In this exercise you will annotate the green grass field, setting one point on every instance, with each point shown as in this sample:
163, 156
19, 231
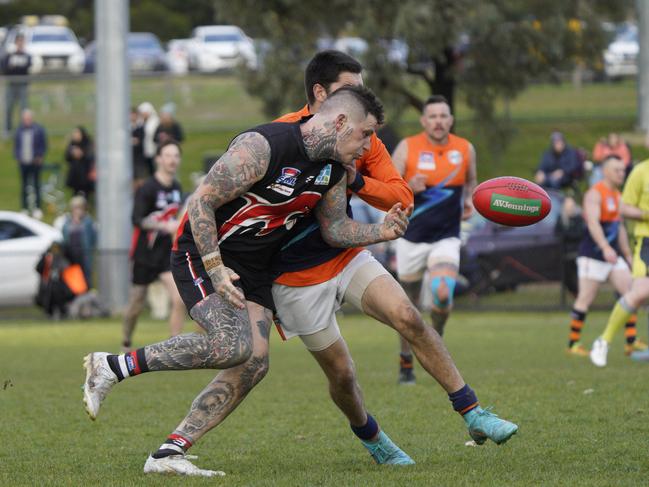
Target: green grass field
578, 425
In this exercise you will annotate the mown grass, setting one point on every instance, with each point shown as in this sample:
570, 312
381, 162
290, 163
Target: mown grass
578, 425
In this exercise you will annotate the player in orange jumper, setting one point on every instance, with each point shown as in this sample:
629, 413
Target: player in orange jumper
604, 253
441, 170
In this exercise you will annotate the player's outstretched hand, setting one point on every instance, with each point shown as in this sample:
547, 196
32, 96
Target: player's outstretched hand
223, 281
396, 221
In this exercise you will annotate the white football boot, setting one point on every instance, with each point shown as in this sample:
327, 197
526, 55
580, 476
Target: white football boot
99, 380
599, 352
178, 465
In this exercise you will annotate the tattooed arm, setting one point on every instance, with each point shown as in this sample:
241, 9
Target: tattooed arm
338, 230
244, 163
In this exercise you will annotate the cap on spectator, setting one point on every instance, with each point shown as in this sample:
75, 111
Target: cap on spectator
556, 137
169, 108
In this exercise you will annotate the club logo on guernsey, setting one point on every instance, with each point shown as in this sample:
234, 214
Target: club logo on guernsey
454, 157
610, 204
324, 176
515, 206
426, 161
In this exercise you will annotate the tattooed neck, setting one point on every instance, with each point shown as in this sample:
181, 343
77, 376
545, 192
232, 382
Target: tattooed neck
320, 142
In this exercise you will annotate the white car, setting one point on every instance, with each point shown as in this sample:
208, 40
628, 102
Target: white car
621, 56
53, 48
220, 47
23, 240
178, 55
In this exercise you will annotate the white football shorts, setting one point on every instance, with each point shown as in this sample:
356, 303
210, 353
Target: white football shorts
310, 311
598, 270
414, 258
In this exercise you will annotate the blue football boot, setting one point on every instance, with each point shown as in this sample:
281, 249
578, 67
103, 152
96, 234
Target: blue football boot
484, 424
385, 452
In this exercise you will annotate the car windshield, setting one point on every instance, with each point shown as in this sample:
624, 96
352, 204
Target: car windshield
59, 36
629, 34
221, 38
149, 43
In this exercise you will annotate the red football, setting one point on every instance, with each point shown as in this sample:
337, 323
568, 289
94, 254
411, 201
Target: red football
511, 201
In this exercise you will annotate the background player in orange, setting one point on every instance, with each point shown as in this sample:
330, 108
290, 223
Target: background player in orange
604, 253
441, 170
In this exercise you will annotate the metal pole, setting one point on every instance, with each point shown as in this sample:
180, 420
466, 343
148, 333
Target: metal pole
114, 166
643, 64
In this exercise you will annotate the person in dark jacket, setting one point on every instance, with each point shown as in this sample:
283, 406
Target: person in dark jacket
79, 155
30, 145
560, 164
16, 65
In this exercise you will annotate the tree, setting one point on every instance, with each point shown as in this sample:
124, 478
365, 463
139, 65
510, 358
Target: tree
492, 50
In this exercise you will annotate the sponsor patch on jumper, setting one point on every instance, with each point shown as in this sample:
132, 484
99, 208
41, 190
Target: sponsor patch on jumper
426, 161
515, 206
288, 177
281, 189
130, 363
324, 176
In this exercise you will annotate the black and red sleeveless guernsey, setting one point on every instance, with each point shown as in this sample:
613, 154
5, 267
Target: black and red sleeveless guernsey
253, 227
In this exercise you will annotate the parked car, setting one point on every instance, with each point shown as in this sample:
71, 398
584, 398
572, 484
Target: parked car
621, 55
396, 50
143, 50
220, 47
22, 242
497, 258
178, 55
54, 48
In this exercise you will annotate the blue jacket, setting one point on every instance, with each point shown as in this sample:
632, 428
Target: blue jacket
40, 141
568, 160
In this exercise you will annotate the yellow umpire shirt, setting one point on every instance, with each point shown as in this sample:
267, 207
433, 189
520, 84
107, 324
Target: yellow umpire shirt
636, 193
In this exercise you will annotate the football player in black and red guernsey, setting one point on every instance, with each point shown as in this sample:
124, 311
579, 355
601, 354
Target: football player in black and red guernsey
155, 222
238, 218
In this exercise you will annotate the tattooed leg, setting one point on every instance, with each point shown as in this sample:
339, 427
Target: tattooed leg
227, 341
136, 300
230, 387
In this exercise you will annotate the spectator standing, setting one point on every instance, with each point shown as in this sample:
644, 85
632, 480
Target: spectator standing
560, 164
141, 170
168, 129
80, 157
150, 121
16, 64
79, 235
30, 145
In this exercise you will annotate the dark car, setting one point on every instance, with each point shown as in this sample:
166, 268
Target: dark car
497, 258
144, 51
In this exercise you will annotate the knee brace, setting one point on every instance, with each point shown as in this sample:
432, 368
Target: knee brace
434, 287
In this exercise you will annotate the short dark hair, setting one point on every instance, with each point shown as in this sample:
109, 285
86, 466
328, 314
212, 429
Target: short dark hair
369, 102
165, 144
434, 99
324, 69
